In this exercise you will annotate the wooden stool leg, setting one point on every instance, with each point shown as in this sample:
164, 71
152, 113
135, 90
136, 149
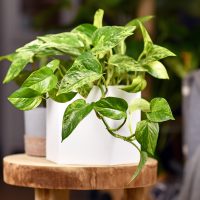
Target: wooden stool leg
117, 194
46, 194
136, 194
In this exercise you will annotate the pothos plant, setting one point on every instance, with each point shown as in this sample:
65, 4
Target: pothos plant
94, 55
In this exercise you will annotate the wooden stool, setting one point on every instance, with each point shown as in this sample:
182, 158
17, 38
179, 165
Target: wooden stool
53, 182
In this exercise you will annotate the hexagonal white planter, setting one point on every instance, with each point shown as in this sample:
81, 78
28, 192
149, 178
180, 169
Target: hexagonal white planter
90, 143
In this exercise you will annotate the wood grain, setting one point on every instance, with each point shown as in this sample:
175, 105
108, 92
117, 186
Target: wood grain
36, 172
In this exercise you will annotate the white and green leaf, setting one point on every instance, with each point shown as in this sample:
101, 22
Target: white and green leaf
146, 36
40, 49
25, 99
112, 107
138, 84
159, 110
85, 70
156, 52
107, 37
124, 63
98, 18
19, 62
85, 31
53, 65
66, 42
157, 70
147, 135
143, 159
32, 46
62, 98
139, 104
73, 115
41, 80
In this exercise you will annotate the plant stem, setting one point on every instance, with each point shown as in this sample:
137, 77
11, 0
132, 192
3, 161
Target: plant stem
102, 91
116, 129
63, 69
129, 124
111, 131
141, 55
60, 71
135, 145
104, 81
109, 74
127, 139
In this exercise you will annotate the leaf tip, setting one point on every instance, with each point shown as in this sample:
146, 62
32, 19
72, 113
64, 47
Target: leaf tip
6, 80
172, 118
58, 93
63, 137
173, 54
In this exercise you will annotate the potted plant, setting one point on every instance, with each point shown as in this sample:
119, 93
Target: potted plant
93, 91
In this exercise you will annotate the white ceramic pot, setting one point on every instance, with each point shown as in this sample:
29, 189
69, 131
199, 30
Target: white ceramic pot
90, 143
35, 131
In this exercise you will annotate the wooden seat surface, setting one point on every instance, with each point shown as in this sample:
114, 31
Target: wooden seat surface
37, 172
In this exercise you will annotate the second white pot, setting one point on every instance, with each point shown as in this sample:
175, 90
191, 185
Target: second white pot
90, 143
35, 132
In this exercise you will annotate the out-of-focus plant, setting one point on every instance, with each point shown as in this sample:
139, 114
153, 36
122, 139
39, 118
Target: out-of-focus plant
178, 28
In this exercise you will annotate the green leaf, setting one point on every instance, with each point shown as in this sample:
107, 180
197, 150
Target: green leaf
157, 70
143, 19
147, 135
85, 31
155, 53
62, 98
49, 49
67, 42
124, 63
85, 70
146, 37
40, 49
25, 99
32, 46
137, 85
98, 18
73, 115
143, 159
41, 80
151, 51
20, 61
160, 110
112, 107
53, 65
139, 104
107, 37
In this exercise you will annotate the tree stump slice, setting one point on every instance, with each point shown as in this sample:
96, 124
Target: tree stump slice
37, 172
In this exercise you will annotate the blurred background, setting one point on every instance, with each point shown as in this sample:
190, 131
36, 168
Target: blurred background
176, 26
